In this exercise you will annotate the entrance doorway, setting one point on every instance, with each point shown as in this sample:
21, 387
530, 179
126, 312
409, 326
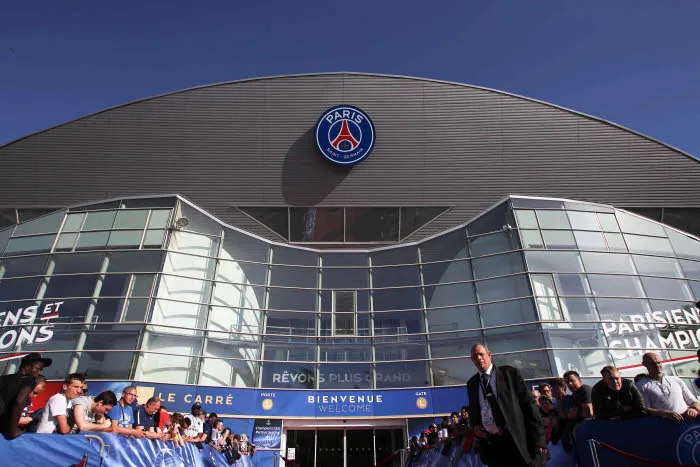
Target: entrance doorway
349, 447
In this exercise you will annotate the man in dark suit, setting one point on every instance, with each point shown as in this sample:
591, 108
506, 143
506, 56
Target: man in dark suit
504, 415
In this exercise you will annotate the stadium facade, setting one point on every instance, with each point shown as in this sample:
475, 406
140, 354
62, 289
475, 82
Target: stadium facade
198, 244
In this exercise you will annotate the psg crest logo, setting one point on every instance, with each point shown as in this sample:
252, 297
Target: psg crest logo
344, 135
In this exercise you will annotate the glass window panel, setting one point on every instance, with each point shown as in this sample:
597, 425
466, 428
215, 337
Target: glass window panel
194, 244
355, 278
294, 256
666, 288
66, 242
106, 365
655, 266
4, 237
559, 239
685, 219
398, 323
402, 374
494, 243
102, 220
142, 285
275, 219
17, 289
615, 286
159, 219
37, 244
454, 344
452, 245
223, 370
615, 242
695, 287
131, 219
247, 296
450, 271
199, 221
532, 365
344, 324
115, 285
344, 259
149, 202
453, 371
70, 286
124, 239
543, 285
184, 288
73, 222
372, 224
532, 239
449, 294
292, 299
289, 375
362, 300
395, 276
579, 309
513, 339
240, 321
553, 261
510, 312
136, 309
414, 218
113, 337
316, 224
363, 327
691, 269
608, 222
553, 219
607, 262
497, 265
526, 219
241, 273
173, 359
652, 245
45, 224
391, 256
240, 246
153, 238
294, 277
502, 288
612, 308
135, 261
92, 240
26, 266
590, 240
187, 317
683, 245
491, 221
583, 220
572, 284
289, 352
449, 319
586, 362
397, 299
408, 349
345, 376
638, 225
108, 310
295, 324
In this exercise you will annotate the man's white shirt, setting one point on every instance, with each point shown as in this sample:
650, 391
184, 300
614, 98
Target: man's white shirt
196, 427
670, 393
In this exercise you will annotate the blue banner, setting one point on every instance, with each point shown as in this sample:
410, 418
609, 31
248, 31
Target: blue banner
267, 434
652, 438
281, 403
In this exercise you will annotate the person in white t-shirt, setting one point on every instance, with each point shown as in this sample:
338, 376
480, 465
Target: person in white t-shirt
196, 429
55, 416
666, 396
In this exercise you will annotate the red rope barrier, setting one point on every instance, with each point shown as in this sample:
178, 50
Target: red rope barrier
388, 459
638, 458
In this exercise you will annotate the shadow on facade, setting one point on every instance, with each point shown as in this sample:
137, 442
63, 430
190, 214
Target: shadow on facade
307, 178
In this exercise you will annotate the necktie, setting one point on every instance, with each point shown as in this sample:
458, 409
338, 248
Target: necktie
491, 398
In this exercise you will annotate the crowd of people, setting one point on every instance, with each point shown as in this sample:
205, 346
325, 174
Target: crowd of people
507, 424
73, 411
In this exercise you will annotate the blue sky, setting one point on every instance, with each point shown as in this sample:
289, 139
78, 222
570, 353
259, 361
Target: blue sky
634, 62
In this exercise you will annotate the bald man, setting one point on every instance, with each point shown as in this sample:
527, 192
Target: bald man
504, 415
666, 396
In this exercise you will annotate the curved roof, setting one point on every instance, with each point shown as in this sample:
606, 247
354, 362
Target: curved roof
248, 143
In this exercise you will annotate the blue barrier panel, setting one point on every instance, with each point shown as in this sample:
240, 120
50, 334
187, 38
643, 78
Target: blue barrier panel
651, 438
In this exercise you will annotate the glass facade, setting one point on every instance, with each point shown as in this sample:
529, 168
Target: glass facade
123, 290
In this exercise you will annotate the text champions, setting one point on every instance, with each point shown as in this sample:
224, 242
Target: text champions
641, 331
27, 326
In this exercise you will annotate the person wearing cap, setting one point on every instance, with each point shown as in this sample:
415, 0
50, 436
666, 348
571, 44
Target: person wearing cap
16, 390
196, 429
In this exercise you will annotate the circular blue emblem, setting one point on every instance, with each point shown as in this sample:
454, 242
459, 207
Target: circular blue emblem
344, 135
688, 446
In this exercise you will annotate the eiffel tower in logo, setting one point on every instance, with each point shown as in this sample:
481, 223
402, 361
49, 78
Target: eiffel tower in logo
345, 136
